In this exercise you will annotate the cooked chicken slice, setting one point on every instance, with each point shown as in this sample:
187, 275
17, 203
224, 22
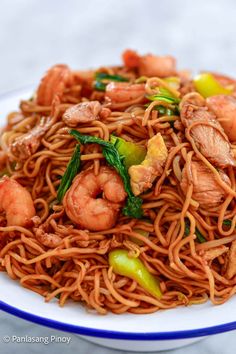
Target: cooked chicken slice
213, 253
206, 190
84, 112
27, 144
208, 135
231, 266
224, 107
142, 176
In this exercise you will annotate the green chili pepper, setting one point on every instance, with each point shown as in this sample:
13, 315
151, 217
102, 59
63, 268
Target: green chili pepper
207, 86
134, 268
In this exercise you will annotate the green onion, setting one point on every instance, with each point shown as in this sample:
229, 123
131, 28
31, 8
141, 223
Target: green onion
99, 85
71, 171
105, 76
200, 237
164, 98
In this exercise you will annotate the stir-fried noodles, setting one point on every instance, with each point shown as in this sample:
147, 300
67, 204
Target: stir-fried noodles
118, 187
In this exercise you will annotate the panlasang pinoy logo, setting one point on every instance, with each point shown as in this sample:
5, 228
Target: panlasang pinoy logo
37, 339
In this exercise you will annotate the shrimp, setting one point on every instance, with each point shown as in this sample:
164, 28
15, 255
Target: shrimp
150, 65
85, 112
224, 107
84, 209
53, 84
121, 92
17, 203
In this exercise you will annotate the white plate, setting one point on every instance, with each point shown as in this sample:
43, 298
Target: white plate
159, 331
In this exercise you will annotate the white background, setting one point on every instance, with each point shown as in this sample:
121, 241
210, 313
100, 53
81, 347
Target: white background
36, 34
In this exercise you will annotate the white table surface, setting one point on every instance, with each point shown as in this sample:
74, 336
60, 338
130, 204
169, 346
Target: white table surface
36, 34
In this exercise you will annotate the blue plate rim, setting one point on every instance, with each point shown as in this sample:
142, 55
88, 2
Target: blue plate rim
93, 332
102, 333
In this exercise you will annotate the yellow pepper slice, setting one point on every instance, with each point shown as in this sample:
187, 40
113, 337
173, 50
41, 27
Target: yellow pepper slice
207, 86
133, 153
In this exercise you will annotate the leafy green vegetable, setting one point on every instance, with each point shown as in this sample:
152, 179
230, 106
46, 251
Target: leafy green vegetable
71, 171
100, 85
227, 222
105, 76
133, 204
200, 237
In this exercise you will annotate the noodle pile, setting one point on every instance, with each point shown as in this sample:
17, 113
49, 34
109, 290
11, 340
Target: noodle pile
78, 269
